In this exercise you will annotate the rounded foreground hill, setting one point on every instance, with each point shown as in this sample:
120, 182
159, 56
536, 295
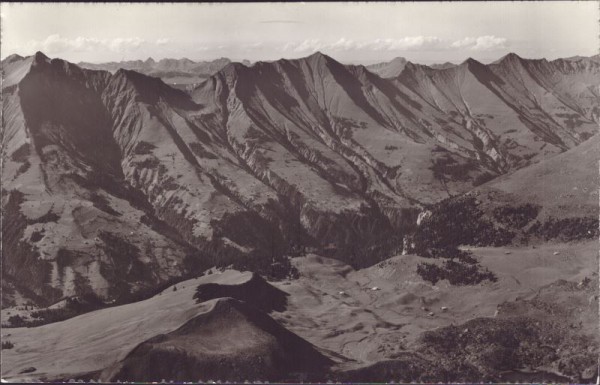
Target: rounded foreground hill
231, 342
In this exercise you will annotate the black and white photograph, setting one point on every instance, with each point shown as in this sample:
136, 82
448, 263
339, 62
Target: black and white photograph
319, 192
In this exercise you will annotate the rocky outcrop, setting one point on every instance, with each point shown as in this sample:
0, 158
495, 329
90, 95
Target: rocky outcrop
254, 291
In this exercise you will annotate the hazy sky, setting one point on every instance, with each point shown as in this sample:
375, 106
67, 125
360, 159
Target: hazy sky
350, 32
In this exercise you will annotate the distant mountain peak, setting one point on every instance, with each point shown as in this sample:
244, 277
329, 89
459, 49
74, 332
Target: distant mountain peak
318, 54
132, 75
318, 57
40, 54
121, 71
472, 65
40, 58
235, 66
12, 58
509, 58
411, 65
415, 66
389, 69
470, 61
360, 71
396, 60
442, 66
231, 71
399, 59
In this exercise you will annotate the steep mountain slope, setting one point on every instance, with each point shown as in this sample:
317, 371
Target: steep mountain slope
381, 132
71, 223
116, 183
518, 110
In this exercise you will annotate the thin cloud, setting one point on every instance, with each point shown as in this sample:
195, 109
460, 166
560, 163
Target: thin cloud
303, 46
409, 43
481, 43
344, 44
280, 22
163, 41
58, 44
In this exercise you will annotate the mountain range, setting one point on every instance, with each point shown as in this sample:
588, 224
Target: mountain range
180, 73
116, 183
152, 67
